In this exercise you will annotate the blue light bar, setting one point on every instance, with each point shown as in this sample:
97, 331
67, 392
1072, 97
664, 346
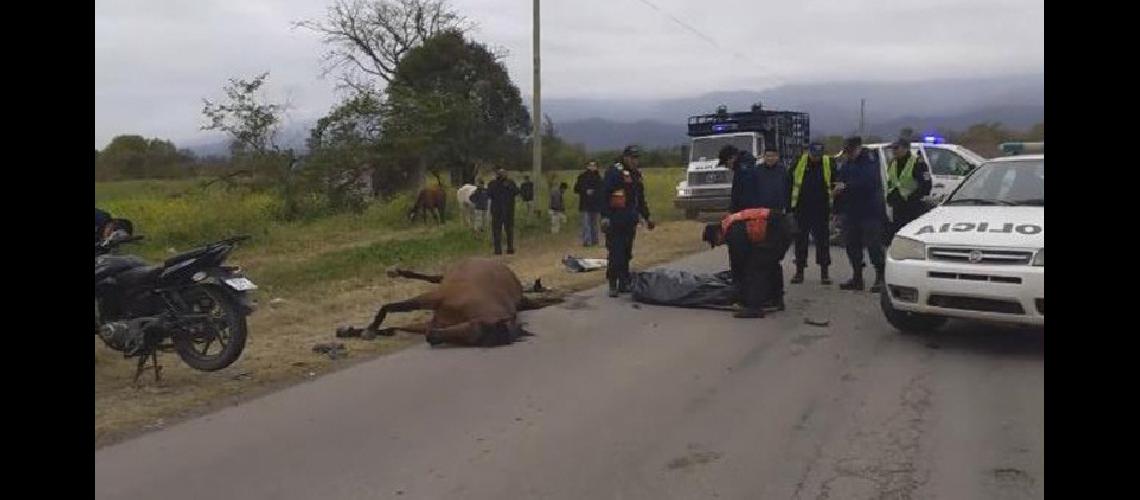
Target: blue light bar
723, 127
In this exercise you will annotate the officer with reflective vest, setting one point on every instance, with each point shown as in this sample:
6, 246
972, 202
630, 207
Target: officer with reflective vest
810, 183
908, 182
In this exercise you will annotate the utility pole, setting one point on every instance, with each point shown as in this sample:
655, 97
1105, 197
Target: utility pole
537, 108
862, 107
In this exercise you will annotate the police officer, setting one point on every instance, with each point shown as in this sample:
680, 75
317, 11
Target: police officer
810, 201
860, 187
908, 182
622, 209
501, 192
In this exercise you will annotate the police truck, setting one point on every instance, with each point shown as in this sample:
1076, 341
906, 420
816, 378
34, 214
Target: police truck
707, 186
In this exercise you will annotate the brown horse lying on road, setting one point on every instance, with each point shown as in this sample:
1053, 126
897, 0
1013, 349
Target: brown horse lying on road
476, 304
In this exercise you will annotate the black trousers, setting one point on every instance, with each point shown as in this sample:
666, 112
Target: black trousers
816, 226
864, 234
903, 214
500, 223
619, 247
756, 270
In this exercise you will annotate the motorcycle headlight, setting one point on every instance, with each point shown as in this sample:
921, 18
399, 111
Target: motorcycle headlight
903, 248
1039, 259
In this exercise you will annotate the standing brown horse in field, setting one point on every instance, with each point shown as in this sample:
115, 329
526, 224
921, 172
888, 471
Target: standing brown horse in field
429, 199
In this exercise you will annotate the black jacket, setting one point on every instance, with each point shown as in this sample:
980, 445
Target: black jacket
760, 186
635, 201
590, 179
502, 192
526, 190
479, 198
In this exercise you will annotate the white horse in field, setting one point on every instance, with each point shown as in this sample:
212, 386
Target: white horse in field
466, 207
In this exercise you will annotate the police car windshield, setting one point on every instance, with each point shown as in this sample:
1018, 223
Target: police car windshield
709, 147
1018, 182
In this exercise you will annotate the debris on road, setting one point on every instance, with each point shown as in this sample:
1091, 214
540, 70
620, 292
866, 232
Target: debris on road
242, 376
820, 322
277, 302
581, 265
334, 350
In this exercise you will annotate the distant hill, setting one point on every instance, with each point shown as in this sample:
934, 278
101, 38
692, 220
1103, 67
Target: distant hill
1016, 101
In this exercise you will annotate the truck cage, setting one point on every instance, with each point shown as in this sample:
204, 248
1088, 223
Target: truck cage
789, 131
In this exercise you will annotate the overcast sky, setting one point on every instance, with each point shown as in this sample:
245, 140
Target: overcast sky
156, 59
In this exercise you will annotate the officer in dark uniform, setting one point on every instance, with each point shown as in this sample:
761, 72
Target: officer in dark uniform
860, 188
622, 209
502, 192
908, 182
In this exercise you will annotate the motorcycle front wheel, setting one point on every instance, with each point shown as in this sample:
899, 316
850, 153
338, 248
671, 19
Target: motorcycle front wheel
218, 341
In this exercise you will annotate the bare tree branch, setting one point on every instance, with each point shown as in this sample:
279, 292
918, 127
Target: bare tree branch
367, 38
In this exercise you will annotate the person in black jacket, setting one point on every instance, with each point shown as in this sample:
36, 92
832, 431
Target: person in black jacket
526, 192
860, 189
625, 206
588, 187
908, 182
502, 192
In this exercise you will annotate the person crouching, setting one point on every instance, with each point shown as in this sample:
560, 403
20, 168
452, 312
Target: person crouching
757, 239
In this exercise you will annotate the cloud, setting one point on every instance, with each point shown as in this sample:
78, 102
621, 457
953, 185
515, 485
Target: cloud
155, 60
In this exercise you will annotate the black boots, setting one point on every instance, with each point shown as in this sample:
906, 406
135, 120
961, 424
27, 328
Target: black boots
855, 283
799, 276
878, 286
613, 287
823, 277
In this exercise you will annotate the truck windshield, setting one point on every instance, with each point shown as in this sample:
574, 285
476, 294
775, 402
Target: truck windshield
707, 148
1005, 183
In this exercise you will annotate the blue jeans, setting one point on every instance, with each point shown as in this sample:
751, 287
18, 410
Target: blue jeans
590, 228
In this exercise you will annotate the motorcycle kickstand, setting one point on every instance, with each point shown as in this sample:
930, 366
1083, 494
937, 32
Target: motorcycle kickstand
142, 366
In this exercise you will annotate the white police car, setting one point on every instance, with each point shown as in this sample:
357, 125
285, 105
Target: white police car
979, 255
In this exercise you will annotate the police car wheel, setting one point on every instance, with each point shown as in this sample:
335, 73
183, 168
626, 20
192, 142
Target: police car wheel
908, 322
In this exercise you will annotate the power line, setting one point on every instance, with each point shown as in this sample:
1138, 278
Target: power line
707, 38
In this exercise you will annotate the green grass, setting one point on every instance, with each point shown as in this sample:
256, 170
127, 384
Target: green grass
302, 256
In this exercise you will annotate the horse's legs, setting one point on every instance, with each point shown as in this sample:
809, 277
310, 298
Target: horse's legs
394, 272
423, 301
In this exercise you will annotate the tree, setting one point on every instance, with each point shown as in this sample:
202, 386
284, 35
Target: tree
366, 39
136, 157
252, 124
451, 104
343, 147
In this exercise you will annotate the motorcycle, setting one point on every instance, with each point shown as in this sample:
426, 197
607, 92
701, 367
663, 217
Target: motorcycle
190, 303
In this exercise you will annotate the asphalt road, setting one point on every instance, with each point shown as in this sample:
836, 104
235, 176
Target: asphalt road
613, 401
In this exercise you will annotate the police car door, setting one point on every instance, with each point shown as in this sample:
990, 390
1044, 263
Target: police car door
947, 169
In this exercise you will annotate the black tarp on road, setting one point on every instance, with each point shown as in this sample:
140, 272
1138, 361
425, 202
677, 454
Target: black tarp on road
670, 287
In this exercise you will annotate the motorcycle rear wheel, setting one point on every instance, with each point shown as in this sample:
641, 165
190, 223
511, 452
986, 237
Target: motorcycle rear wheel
225, 330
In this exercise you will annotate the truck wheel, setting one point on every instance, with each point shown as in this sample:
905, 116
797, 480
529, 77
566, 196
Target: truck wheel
691, 214
908, 322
